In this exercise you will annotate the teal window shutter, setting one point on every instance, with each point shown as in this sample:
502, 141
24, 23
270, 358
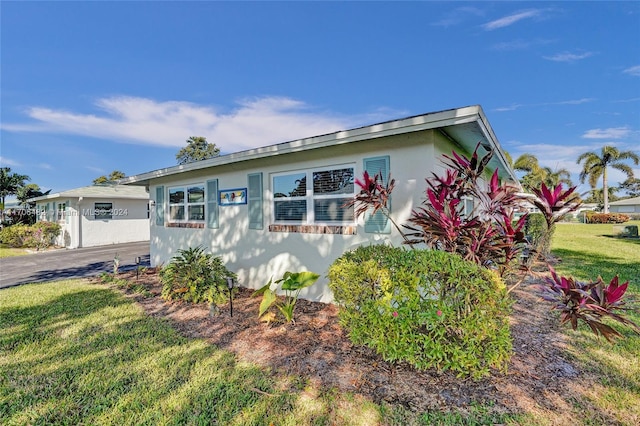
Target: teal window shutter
378, 223
160, 206
256, 217
212, 204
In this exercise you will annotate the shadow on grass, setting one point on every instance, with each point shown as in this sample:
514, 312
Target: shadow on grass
587, 266
623, 240
90, 356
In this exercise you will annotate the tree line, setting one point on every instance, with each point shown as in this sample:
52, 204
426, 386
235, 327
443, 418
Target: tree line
595, 168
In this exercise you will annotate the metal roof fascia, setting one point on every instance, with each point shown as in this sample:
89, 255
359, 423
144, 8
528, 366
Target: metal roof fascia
390, 128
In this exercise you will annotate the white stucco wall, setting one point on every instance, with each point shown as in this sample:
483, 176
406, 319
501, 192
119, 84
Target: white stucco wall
129, 223
257, 255
80, 228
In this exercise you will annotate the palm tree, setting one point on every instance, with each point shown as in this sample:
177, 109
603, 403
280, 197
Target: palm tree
30, 190
595, 166
10, 183
553, 178
529, 163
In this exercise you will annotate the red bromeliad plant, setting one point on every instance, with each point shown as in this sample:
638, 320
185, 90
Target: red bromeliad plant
588, 302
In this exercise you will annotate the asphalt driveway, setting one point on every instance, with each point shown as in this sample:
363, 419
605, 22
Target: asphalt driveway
72, 263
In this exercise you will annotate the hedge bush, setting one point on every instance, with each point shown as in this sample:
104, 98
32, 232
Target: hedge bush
593, 217
39, 235
426, 307
195, 276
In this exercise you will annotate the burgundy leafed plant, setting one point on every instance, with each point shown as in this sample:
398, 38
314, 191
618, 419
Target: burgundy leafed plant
485, 235
589, 302
374, 196
555, 203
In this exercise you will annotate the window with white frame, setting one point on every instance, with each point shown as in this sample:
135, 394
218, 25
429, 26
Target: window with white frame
314, 196
186, 203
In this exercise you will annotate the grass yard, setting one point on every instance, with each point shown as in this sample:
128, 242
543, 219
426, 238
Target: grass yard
72, 352
81, 353
586, 252
6, 251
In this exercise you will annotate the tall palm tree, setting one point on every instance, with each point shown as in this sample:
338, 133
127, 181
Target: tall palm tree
10, 182
595, 166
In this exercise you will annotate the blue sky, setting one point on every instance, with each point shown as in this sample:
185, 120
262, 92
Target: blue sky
89, 87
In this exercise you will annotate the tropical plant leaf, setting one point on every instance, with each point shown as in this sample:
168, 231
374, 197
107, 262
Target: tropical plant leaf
299, 280
261, 290
268, 298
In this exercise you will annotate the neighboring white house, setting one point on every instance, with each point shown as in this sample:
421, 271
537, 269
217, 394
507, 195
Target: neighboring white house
278, 208
97, 215
630, 205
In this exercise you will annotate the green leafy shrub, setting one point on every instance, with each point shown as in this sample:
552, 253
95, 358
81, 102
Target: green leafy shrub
291, 283
39, 235
195, 276
536, 230
426, 307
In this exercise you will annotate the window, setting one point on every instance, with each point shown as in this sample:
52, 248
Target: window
61, 211
187, 203
314, 196
103, 210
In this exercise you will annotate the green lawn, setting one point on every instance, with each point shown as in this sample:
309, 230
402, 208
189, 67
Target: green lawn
586, 252
6, 251
72, 352
79, 353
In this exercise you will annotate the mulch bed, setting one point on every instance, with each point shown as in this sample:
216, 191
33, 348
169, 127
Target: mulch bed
540, 379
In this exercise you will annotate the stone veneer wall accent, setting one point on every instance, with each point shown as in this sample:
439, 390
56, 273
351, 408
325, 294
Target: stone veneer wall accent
185, 225
314, 229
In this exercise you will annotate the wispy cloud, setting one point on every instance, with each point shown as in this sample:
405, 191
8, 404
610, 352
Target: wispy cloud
520, 44
457, 16
514, 107
568, 56
45, 166
8, 162
574, 101
511, 19
634, 71
610, 133
252, 123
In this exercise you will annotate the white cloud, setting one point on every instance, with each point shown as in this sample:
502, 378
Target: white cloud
575, 101
511, 19
514, 107
634, 71
8, 162
568, 56
610, 133
519, 44
253, 123
45, 166
458, 16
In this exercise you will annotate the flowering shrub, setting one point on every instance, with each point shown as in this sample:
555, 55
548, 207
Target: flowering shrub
39, 235
592, 217
426, 307
589, 302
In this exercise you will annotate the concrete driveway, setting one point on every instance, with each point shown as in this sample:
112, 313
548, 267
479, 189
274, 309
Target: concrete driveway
73, 263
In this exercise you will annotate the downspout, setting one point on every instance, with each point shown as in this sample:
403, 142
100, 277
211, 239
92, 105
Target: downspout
79, 216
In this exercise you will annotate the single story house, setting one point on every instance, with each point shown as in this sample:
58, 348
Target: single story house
278, 208
630, 205
97, 215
